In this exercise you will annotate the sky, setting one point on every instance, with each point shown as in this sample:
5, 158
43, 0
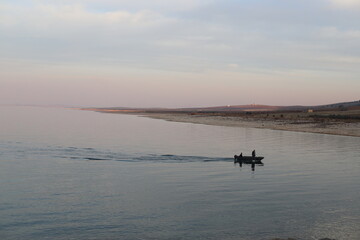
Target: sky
179, 53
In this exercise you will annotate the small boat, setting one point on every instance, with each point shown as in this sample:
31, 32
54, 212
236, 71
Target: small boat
247, 159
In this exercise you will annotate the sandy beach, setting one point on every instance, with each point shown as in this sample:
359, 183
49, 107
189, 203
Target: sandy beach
298, 125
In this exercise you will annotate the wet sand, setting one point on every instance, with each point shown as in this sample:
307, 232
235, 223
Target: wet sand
298, 125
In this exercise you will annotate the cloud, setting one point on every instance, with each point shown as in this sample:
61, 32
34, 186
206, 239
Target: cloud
145, 36
70, 33
346, 3
136, 5
334, 32
73, 15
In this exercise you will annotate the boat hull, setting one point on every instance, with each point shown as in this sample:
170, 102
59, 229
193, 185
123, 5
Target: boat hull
247, 159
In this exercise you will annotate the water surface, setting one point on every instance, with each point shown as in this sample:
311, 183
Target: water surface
70, 174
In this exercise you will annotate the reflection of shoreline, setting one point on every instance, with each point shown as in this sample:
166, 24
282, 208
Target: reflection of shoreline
330, 127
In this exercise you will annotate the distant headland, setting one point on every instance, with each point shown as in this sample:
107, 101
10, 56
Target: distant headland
337, 118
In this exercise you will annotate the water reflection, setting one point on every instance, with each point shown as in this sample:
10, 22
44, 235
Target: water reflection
252, 165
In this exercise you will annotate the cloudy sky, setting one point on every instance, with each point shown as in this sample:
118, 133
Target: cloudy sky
179, 53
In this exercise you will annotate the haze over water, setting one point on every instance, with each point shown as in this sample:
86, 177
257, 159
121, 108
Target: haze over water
70, 174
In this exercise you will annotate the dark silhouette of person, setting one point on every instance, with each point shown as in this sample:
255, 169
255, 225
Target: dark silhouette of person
253, 153
240, 155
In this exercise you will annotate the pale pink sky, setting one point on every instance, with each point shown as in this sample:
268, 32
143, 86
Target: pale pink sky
179, 53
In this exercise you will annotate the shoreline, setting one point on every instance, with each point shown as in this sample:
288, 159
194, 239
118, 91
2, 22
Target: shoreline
326, 127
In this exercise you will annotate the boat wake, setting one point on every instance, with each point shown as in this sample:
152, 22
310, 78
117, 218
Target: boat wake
91, 154
180, 158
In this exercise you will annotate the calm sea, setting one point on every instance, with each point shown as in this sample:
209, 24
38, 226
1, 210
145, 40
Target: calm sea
71, 174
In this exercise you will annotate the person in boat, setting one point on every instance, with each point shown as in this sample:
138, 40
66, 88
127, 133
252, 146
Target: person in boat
253, 153
240, 156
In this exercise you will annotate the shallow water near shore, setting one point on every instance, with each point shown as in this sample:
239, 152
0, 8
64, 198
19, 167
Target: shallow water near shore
70, 174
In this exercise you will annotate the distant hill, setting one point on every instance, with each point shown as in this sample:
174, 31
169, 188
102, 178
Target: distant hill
355, 105
340, 106
265, 108
234, 108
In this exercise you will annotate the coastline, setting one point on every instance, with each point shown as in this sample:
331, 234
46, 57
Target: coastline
325, 127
